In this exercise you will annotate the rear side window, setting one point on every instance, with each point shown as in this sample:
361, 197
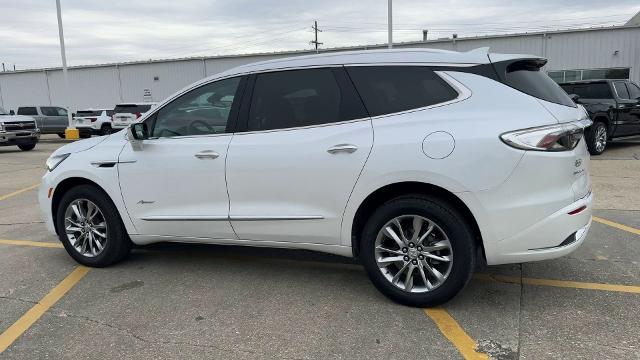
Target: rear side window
295, 98
391, 89
599, 90
621, 89
525, 76
131, 109
27, 111
83, 113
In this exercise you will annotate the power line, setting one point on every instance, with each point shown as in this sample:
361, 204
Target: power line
315, 31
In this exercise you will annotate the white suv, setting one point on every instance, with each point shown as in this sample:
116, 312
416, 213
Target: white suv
410, 160
93, 122
126, 114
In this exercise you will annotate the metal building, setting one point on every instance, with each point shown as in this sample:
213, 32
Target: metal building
609, 52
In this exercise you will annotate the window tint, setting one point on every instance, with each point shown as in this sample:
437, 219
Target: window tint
590, 90
27, 111
525, 76
82, 113
621, 89
202, 111
53, 111
295, 98
131, 109
634, 91
390, 89
109, 112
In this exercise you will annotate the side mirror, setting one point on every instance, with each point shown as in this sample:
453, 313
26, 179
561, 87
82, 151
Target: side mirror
574, 97
11, 112
138, 131
73, 115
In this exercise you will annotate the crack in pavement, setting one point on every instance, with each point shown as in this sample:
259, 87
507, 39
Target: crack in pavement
30, 302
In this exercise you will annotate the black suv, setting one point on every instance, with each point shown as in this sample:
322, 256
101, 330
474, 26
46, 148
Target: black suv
613, 105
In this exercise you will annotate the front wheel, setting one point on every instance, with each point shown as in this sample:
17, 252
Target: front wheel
90, 228
596, 138
418, 250
27, 147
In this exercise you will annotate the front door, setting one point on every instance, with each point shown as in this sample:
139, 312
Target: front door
290, 175
626, 122
174, 184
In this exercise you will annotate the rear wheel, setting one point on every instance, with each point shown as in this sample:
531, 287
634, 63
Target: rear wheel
90, 228
596, 138
105, 129
61, 135
418, 250
27, 147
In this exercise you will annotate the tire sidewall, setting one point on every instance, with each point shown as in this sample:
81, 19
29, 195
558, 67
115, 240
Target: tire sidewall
591, 138
449, 221
106, 130
117, 242
27, 147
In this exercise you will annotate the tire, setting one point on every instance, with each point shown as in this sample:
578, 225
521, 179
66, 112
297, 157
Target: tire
61, 135
596, 138
105, 129
115, 247
85, 135
448, 223
27, 147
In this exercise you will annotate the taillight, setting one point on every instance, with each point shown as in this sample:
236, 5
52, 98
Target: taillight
138, 115
560, 137
93, 119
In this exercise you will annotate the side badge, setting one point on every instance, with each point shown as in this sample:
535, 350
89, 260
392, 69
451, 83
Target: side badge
142, 202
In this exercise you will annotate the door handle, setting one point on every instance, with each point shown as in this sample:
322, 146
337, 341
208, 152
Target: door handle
345, 148
207, 154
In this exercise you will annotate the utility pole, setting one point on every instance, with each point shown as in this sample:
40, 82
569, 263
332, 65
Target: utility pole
71, 132
316, 30
390, 24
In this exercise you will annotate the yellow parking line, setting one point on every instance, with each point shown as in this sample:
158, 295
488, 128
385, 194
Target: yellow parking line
3, 197
30, 317
616, 225
559, 283
455, 333
32, 243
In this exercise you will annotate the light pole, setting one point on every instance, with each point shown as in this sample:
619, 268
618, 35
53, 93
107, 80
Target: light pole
390, 24
71, 132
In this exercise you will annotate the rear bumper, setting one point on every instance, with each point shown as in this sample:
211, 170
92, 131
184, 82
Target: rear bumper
19, 137
554, 236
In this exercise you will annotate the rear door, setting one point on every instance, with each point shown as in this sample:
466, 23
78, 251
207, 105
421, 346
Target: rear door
634, 94
294, 162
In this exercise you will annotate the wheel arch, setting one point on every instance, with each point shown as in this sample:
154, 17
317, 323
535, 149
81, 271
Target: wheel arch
391, 191
63, 187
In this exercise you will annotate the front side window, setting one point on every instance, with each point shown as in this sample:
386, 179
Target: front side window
49, 111
621, 89
390, 89
295, 98
27, 111
634, 91
61, 111
202, 111
599, 90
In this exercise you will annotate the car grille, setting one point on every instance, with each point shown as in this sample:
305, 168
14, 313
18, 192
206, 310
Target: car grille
19, 126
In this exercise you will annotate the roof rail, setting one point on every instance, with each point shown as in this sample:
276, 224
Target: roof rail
480, 50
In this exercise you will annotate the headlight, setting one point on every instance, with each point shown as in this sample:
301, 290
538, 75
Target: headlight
54, 161
561, 137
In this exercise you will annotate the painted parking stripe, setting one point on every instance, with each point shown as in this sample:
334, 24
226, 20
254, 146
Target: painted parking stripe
30, 317
32, 243
450, 328
559, 283
617, 225
17, 192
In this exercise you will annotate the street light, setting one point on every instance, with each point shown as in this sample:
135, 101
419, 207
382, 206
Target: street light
390, 24
71, 132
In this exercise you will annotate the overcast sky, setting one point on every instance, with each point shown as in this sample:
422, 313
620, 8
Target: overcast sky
114, 30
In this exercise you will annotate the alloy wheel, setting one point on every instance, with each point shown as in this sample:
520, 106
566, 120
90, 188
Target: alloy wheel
601, 139
86, 227
413, 253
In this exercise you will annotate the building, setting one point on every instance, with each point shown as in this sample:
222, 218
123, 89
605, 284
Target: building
606, 52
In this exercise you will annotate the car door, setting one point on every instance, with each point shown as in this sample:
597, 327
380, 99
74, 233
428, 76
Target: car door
625, 121
634, 94
61, 120
303, 141
173, 184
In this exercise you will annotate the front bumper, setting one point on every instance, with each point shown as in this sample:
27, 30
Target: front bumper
45, 203
19, 137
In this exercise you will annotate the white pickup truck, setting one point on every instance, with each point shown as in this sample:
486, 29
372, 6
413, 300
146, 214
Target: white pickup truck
18, 130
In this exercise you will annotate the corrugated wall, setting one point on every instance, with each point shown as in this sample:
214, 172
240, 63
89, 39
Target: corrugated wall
104, 86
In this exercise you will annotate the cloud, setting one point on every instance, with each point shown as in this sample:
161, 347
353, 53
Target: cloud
112, 31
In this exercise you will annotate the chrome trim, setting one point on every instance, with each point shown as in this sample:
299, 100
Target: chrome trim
275, 217
185, 218
346, 148
227, 218
207, 154
99, 163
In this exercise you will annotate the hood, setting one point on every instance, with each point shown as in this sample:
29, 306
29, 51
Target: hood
10, 118
80, 145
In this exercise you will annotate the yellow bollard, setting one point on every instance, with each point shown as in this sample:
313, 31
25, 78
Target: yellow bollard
72, 134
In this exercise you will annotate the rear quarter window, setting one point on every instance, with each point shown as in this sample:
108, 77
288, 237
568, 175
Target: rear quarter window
525, 76
391, 89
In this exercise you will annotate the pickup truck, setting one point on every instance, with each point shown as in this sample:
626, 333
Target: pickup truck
614, 107
18, 130
49, 119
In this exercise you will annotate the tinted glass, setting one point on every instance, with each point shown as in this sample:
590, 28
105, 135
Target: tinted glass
61, 111
202, 111
621, 89
109, 112
591, 90
295, 98
131, 109
49, 111
525, 76
634, 90
27, 111
82, 113
390, 89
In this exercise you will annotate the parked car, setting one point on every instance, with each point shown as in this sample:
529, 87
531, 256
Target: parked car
93, 122
18, 130
49, 119
410, 160
126, 114
614, 107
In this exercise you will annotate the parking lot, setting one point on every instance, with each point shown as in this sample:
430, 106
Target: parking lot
191, 301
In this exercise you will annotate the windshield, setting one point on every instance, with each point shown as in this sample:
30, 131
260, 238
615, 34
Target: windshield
3, 111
